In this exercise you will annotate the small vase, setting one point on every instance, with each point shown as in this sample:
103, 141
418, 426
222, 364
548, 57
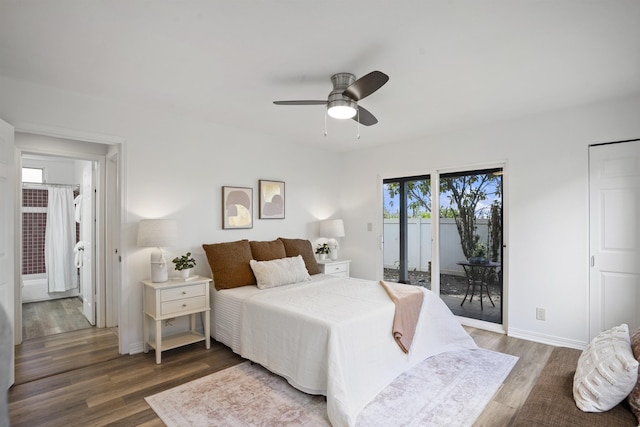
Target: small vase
322, 257
184, 273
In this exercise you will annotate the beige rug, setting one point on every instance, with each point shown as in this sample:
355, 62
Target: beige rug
449, 389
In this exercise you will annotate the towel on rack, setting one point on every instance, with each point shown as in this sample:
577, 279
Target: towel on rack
78, 208
78, 250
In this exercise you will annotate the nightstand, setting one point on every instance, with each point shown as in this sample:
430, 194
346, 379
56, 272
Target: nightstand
336, 267
173, 298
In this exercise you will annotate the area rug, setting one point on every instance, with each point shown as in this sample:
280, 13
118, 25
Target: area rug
449, 389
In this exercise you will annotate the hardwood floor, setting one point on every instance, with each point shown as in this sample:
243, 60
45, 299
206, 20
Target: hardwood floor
78, 378
52, 317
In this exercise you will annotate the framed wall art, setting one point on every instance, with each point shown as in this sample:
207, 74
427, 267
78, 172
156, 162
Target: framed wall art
271, 199
237, 207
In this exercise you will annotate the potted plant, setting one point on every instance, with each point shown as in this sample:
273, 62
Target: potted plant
322, 250
184, 264
479, 255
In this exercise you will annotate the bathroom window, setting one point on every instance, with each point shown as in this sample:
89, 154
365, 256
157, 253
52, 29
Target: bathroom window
32, 175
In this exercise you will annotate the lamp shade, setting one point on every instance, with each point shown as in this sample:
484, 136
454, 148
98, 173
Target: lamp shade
157, 232
332, 228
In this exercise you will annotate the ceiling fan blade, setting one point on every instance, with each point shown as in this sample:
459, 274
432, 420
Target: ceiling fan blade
366, 118
366, 85
300, 102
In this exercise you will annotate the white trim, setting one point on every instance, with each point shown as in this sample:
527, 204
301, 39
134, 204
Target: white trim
59, 132
546, 339
481, 324
136, 348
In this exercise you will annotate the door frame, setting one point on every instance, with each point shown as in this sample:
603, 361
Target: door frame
434, 174
103, 262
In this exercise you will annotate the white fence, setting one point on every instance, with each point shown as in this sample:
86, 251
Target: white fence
419, 234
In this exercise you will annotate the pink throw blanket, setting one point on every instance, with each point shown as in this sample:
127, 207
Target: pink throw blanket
408, 300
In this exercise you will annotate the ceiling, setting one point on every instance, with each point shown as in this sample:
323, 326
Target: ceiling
452, 64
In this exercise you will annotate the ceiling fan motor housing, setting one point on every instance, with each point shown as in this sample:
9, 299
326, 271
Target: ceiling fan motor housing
339, 105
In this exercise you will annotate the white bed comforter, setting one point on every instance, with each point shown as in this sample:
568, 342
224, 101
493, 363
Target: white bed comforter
332, 336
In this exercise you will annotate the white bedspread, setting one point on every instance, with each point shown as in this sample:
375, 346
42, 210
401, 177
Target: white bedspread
332, 336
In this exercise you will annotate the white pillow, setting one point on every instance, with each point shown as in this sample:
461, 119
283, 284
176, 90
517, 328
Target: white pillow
278, 272
606, 371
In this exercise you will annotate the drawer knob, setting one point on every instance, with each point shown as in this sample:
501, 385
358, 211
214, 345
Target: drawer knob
184, 305
184, 292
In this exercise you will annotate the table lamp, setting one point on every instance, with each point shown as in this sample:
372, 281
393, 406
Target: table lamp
157, 233
332, 228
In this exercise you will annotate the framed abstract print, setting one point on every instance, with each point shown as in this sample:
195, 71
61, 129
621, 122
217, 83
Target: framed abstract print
237, 207
271, 199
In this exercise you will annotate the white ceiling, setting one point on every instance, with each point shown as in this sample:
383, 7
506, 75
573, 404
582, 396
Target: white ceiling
452, 64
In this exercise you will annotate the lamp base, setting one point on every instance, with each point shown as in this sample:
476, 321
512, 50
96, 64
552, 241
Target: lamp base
159, 272
333, 244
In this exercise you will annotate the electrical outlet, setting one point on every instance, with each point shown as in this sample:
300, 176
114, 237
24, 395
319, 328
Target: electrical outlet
369, 226
540, 313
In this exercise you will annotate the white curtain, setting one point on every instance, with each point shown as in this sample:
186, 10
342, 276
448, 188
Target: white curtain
60, 239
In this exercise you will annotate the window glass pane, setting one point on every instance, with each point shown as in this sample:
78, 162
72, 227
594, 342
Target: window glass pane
471, 243
32, 175
407, 230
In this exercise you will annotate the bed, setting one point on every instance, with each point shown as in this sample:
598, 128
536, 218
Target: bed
326, 335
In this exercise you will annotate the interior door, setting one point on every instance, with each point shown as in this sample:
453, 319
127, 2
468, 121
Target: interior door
87, 235
7, 212
614, 174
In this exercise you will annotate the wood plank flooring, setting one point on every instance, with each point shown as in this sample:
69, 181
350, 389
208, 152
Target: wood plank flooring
52, 317
78, 379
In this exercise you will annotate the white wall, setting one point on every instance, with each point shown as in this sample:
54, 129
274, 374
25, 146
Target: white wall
546, 227
175, 167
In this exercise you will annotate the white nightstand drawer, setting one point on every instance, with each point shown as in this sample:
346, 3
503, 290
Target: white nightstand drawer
336, 268
182, 292
183, 305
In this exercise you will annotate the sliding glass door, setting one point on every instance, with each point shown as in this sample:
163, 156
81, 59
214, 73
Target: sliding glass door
407, 230
471, 243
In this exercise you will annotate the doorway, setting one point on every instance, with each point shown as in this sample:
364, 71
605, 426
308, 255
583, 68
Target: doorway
444, 232
85, 166
57, 272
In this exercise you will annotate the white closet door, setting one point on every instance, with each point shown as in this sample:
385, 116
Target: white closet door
614, 171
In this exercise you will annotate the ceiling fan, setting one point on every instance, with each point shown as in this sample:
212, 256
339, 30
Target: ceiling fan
342, 102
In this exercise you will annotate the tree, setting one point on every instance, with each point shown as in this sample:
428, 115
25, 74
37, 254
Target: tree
418, 194
464, 193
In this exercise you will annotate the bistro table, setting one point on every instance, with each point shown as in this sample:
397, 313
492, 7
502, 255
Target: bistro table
477, 275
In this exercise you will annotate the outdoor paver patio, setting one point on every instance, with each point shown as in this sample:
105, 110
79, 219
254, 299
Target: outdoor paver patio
453, 289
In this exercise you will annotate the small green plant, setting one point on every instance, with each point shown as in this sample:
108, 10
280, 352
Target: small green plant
184, 262
480, 251
323, 249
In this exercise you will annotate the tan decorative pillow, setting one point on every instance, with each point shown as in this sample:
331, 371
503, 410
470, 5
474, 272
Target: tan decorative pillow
229, 264
266, 251
278, 272
606, 371
634, 397
295, 247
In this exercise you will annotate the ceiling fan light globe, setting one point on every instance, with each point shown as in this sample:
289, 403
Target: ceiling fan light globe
341, 111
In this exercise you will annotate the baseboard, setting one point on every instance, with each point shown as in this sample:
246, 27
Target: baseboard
546, 339
136, 348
